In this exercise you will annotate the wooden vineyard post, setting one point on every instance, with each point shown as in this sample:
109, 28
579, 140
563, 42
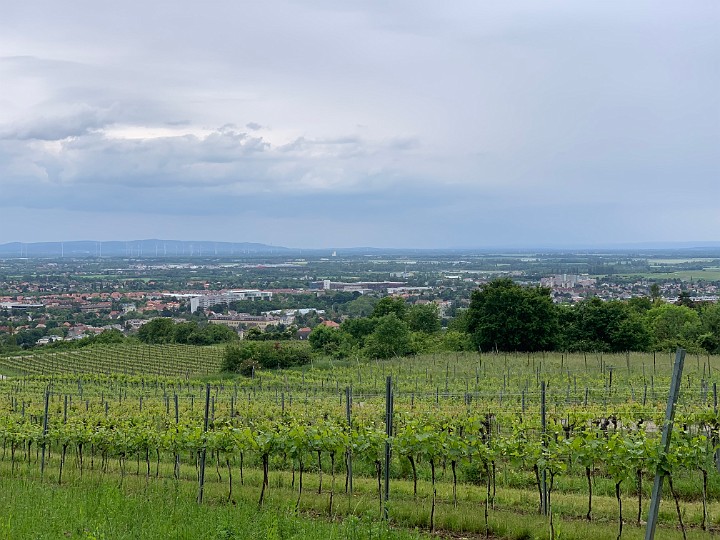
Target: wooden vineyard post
45, 431
388, 434
665, 442
176, 469
203, 452
715, 410
545, 499
348, 410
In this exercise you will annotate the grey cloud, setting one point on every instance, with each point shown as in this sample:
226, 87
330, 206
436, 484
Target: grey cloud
226, 162
488, 120
55, 128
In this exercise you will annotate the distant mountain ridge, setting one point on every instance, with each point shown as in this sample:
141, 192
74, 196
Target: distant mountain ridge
138, 248
184, 249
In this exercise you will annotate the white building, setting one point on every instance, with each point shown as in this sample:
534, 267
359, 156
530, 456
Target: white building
208, 300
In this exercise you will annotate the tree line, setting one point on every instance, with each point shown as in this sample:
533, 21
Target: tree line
506, 316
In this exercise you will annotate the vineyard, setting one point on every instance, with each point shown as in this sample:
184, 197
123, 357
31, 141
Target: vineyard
515, 446
167, 360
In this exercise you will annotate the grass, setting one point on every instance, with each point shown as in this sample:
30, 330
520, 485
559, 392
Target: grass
96, 505
93, 508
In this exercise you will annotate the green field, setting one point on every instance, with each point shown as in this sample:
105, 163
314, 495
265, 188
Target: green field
706, 274
681, 261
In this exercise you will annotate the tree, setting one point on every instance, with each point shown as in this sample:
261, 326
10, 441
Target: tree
674, 326
183, 331
389, 305
326, 340
109, 336
655, 292
505, 316
391, 337
710, 319
157, 331
612, 326
640, 304
362, 306
359, 329
423, 318
268, 354
460, 322
685, 299
219, 333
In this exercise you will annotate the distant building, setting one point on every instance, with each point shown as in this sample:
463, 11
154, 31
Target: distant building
567, 281
359, 286
208, 300
48, 339
244, 320
303, 333
18, 305
408, 290
330, 324
95, 307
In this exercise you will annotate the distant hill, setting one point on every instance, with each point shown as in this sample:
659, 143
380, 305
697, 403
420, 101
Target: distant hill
138, 248
184, 249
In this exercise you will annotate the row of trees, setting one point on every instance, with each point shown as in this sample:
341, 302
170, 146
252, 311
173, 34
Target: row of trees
392, 329
163, 330
506, 316
246, 357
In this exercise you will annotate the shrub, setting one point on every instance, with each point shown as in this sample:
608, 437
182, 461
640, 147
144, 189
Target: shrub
267, 354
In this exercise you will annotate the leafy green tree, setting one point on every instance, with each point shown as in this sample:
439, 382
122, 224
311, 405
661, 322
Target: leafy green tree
674, 326
685, 299
359, 329
27, 338
461, 321
388, 305
597, 325
391, 337
182, 331
268, 354
109, 336
710, 328
327, 340
452, 340
255, 334
639, 304
219, 333
655, 292
509, 317
423, 318
157, 331
362, 306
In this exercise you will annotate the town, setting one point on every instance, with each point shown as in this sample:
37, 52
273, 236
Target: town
45, 300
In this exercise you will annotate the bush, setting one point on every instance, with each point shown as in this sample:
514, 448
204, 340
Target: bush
248, 367
391, 337
267, 354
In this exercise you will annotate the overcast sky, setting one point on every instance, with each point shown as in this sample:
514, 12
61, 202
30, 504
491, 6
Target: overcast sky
389, 124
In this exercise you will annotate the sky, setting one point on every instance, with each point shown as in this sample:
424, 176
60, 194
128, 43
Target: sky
320, 123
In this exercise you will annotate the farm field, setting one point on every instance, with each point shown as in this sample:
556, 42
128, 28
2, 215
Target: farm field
468, 450
706, 274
